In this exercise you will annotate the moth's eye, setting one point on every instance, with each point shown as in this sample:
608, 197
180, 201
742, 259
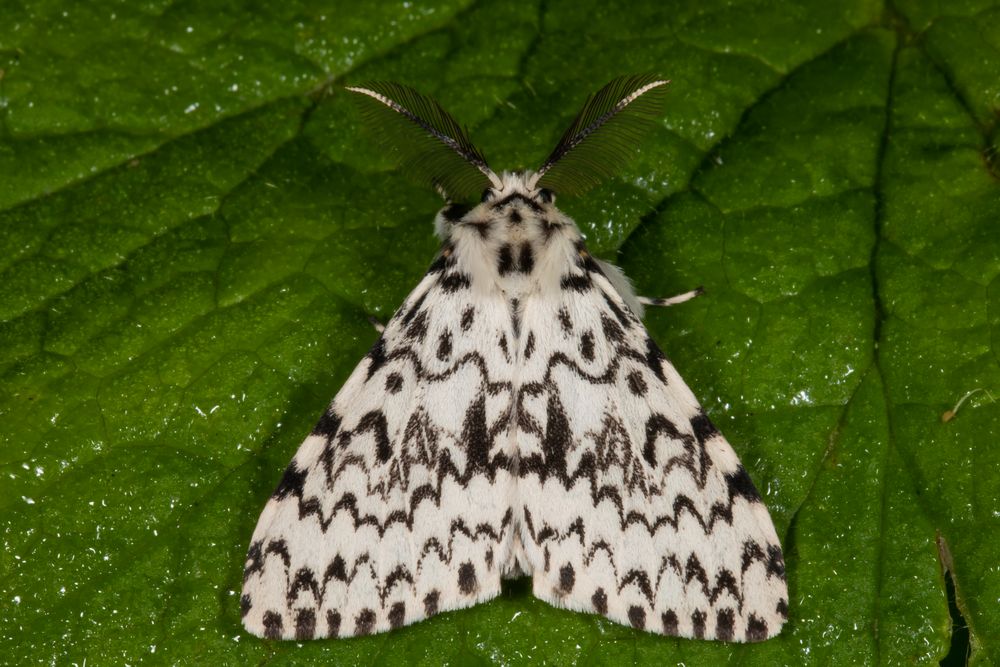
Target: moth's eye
546, 196
487, 195
454, 212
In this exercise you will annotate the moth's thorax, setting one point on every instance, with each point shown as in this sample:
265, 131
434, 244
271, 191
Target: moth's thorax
515, 239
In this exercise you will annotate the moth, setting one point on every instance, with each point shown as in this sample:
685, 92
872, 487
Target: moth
515, 418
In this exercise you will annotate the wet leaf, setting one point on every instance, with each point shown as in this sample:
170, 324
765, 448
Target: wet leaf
193, 231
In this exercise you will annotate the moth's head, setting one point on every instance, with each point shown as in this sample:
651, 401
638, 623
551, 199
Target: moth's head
516, 194
523, 183
436, 150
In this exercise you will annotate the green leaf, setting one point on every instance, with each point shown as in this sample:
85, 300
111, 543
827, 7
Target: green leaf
193, 231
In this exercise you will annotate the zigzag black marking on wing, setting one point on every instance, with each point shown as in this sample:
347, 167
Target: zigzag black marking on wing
401, 464
445, 553
374, 421
348, 501
551, 463
692, 573
422, 375
609, 374
682, 504
601, 545
304, 579
695, 458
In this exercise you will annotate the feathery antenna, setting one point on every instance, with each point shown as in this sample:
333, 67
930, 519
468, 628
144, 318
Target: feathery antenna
433, 148
603, 136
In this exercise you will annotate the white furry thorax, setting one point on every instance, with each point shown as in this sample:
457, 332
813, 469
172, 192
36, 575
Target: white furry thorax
515, 239
518, 241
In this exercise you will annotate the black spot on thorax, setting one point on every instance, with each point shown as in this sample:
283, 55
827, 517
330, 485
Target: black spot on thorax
549, 228
526, 262
484, 228
505, 260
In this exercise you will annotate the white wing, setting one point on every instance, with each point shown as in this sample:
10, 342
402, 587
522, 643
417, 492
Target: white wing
398, 505
635, 506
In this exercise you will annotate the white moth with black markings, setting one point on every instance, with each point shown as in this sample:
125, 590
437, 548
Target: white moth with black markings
515, 418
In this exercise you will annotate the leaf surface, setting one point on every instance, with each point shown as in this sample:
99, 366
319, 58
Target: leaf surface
193, 231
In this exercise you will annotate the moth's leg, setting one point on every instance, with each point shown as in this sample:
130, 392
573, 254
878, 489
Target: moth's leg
671, 300
624, 287
379, 327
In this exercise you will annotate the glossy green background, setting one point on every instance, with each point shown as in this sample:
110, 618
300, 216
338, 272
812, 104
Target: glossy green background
193, 231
